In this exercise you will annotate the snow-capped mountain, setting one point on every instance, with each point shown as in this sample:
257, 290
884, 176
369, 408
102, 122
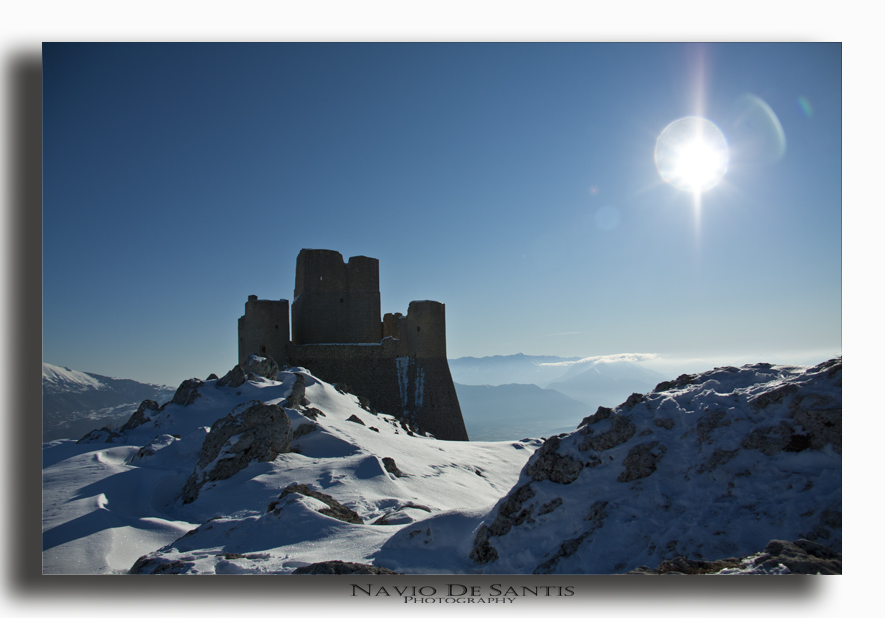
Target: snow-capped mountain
605, 383
593, 381
706, 467
75, 402
280, 471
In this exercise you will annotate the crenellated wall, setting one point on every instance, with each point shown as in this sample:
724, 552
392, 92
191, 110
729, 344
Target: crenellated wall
398, 363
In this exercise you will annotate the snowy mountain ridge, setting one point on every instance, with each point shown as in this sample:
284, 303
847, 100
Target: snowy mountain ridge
75, 401
705, 467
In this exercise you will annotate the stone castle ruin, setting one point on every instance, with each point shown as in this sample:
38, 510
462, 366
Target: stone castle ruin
399, 362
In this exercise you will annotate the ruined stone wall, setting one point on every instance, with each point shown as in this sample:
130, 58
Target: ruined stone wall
419, 390
337, 335
263, 329
336, 302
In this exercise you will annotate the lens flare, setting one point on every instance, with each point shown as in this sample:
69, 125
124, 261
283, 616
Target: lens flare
691, 154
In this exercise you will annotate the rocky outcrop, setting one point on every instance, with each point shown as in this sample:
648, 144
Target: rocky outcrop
261, 366
390, 466
234, 378
297, 398
188, 392
778, 558
105, 434
160, 566
141, 415
254, 431
672, 473
333, 508
337, 567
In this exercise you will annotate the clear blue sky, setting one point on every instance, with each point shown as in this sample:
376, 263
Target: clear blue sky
516, 183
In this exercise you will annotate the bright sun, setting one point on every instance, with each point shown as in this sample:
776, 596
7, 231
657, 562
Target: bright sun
692, 154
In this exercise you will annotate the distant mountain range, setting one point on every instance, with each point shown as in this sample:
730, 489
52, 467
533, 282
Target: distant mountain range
515, 411
75, 402
512, 369
517, 396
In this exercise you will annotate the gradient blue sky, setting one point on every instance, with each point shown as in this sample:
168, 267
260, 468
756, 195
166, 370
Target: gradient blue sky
516, 183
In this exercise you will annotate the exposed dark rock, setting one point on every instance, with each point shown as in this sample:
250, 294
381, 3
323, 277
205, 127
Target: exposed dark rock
312, 413
390, 466
666, 423
633, 400
621, 430
296, 398
303, 429
262, 366
821, 417
337, 567
355, 419
105, 434
138, 417
212, 376
550, 506
709, 422
482, 552
641, 461
234, 378
770, 440
510, 514
391, 517
774, 396
257, 432
800, 557
596, 516
151, 448
548, 464
160, 566
336, 509
601, 414
718, 458
188, 392
680, 382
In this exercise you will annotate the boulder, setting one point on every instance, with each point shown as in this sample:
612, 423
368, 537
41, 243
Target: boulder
234, 378
138, 417
261, 366
296, 398
253, 431
188, 392
334, 508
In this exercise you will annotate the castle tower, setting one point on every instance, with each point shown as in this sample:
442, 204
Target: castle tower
264, 329
335, 302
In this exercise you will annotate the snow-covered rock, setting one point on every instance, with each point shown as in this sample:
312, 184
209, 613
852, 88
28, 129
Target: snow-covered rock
705, 467
254, 431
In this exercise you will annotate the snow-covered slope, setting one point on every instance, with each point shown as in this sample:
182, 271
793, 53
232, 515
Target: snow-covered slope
75, 402
707, 466
111, 499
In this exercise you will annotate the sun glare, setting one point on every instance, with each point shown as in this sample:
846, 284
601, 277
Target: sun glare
691, 154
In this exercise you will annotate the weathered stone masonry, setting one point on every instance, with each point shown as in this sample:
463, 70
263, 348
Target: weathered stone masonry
399, 362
